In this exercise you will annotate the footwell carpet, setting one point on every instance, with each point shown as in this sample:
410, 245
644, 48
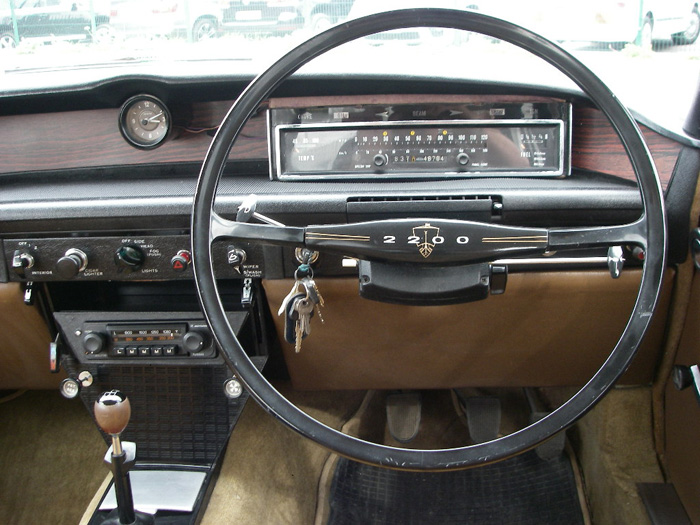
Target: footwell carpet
524, 490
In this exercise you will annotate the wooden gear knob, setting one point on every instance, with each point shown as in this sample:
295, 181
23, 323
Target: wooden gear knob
112, 412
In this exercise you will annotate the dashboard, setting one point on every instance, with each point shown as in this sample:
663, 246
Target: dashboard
124, 208
97, 193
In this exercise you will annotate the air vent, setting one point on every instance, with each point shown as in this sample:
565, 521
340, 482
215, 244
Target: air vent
465, 207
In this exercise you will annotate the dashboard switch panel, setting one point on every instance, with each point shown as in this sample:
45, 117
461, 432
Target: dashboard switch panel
119, 258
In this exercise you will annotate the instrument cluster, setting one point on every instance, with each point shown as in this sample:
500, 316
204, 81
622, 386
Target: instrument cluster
430, 140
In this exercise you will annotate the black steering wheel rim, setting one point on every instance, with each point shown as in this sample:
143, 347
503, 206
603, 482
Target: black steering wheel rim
652, 224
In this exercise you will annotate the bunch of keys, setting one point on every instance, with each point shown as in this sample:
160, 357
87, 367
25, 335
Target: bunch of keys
299, 305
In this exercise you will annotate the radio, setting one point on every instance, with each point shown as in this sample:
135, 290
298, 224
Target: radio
190, 339
131, 338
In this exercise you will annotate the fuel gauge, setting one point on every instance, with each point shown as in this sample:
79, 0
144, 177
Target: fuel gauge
144, 121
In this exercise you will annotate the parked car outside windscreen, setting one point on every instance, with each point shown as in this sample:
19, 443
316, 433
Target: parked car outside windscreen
195, 20
641, 22
279, 17
52, 20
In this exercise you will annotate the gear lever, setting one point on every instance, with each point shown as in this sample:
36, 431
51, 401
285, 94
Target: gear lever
112, 413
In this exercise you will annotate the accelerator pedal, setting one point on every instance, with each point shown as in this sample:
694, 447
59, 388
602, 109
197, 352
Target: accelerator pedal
403, 415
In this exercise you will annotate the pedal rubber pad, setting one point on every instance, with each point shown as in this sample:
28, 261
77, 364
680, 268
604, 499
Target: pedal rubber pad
403, 415
483, 418
554, 446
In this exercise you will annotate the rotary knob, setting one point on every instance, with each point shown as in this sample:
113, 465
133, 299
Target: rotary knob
93, 342
72, 263
193, 341
22, 261
129, 258
380, 160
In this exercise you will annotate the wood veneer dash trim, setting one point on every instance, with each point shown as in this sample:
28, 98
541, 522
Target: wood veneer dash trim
91, 138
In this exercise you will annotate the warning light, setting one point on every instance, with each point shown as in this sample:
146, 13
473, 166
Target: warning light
444, 132
413, 132
385, 133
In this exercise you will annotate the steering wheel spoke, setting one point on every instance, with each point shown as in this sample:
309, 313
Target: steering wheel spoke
222, 228
626, 234
427, 241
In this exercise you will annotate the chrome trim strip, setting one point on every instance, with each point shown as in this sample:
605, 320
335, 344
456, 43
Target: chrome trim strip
553, 261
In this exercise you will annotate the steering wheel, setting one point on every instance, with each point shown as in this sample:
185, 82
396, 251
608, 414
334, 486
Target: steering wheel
649, 232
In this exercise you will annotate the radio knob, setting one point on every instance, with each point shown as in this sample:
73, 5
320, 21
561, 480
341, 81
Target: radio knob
193, 341
463, 159
72, 263
129, 258
94, 342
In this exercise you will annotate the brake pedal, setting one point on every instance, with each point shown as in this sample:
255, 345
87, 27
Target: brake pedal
483, 417
403, 415
554, 446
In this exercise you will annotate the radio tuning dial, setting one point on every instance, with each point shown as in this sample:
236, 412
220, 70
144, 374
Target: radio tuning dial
129, 258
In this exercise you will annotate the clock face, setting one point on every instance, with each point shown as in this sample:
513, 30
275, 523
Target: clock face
144, 121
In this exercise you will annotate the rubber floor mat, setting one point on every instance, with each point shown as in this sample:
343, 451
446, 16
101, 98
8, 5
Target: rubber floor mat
523, 490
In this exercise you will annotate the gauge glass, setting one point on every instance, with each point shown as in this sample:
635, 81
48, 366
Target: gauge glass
144, 121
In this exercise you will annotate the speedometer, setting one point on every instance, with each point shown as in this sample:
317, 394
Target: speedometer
144, 121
